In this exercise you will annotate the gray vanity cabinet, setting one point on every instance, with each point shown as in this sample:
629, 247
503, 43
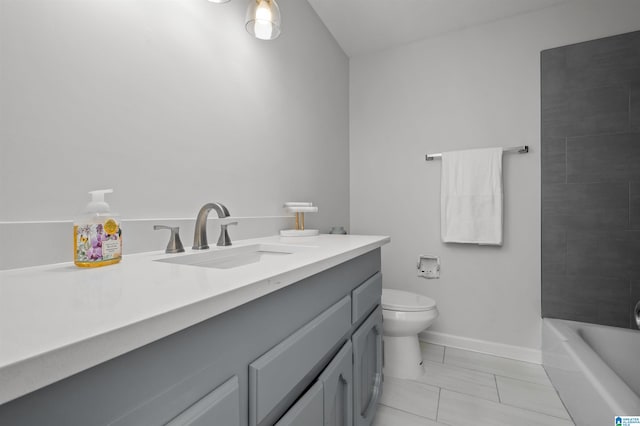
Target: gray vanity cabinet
221, 406
367, 370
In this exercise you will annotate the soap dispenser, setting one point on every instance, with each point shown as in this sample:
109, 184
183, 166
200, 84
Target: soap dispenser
97, 237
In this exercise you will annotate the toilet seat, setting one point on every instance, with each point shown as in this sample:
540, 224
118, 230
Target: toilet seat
404, 301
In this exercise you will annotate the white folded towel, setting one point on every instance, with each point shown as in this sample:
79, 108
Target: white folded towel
471, 196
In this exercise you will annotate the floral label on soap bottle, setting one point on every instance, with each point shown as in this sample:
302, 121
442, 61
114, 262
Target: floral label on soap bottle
98, 242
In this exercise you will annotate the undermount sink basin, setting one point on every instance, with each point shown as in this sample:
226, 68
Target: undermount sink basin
233, 257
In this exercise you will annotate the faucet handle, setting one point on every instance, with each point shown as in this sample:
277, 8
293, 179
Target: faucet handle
223, 239
175, 245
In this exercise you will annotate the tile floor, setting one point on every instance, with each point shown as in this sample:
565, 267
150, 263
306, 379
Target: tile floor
469, 388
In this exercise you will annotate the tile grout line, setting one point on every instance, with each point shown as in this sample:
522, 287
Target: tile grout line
494, 373
566, 169
552, 387
558, 395
495, 379
515, 407
454, 389
549, 385
407, 412
631, 306
629, 111
540, 412
438, 404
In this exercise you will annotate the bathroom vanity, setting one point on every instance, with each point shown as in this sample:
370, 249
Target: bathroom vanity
294, 338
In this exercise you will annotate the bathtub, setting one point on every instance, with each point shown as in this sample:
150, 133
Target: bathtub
595, 368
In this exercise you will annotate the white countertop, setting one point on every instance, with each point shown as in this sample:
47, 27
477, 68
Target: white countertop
58, 320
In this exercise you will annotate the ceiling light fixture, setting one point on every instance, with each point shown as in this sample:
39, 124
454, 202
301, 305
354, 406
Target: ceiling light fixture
219, 1
263, 19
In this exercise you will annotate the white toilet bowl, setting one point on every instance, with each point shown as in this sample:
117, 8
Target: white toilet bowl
405, 315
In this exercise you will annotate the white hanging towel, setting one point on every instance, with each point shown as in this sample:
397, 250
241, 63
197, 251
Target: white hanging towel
471, 196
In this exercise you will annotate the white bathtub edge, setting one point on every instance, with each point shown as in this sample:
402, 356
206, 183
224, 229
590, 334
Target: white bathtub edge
590, 389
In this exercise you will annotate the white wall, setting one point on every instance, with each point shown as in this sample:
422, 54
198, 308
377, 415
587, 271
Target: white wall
479, 87
171, 103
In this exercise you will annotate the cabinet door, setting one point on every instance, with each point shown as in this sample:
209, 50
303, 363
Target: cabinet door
308, 411
367, 368
220, 407
337, 381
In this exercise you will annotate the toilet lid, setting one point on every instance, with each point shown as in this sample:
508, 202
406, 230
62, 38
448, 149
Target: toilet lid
398, 300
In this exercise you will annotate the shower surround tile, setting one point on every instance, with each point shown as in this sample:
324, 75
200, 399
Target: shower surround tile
554, 161
586, 112
603, 158
553, 69
591, 98
588, 299
554, 249
612, 254
586, 206
603, 62
635, 107
634, 205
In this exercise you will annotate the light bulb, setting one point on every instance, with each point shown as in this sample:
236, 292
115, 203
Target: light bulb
263, 30
263, 12
219, 1
263, 19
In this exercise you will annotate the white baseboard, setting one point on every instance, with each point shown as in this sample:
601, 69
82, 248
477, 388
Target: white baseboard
484, 346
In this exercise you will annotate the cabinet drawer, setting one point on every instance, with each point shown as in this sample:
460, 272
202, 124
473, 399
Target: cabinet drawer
220, 407
366, 296
308, 411
275, 374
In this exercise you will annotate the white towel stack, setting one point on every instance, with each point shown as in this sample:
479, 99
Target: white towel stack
471, 196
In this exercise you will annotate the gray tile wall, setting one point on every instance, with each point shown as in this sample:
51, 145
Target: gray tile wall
590, 155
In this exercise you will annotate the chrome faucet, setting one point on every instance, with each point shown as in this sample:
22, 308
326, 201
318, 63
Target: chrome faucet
200, 234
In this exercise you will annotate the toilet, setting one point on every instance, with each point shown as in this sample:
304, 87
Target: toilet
404, 315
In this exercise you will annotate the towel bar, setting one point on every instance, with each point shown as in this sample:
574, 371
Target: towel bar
518, 149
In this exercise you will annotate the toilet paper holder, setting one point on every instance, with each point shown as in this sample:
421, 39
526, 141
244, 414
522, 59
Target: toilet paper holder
428, 266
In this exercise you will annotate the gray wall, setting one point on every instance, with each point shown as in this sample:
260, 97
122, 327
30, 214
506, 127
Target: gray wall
172, 104
591, 180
